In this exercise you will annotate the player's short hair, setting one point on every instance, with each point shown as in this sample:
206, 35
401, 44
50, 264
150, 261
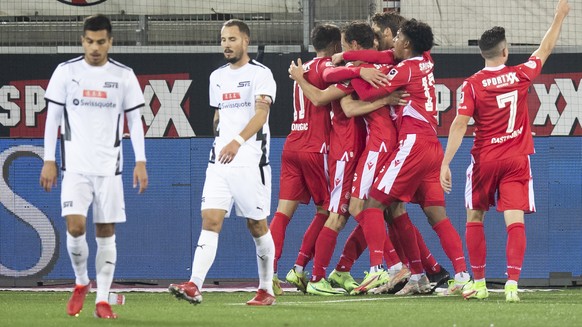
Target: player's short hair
389, 20
419, 34
325, 35
97, 22
361, 32
242, 26
490, 41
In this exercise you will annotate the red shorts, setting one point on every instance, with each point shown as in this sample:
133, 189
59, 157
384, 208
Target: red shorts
510, 178
303, 177
367, 169
412, 173
341, 173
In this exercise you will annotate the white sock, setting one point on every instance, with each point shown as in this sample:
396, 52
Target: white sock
462, 277
298, 269
105, 265
395, 269
415, 277
265, 257
79, 253
204, 256
374, 269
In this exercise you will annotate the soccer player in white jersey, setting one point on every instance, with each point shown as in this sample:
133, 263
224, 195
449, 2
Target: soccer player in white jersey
241, 92
89, 97
496, 97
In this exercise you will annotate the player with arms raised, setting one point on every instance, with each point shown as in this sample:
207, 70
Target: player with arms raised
496, 97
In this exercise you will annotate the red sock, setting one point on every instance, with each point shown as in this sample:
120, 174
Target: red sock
353, 249
308, 244
393, 234
375, 233
390, 255
451, 243
515, 250
278, 228
429, 263
324, 247
407, 237
477, 248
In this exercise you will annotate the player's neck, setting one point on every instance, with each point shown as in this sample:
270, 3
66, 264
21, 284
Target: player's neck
496, 62
245, 59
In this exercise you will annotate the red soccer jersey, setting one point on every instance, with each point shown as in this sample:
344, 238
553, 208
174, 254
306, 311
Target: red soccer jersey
348, 135
496, 97
311, 124
381, 130
415, 76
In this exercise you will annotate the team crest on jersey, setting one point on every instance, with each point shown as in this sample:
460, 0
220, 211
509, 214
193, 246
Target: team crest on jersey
81, 3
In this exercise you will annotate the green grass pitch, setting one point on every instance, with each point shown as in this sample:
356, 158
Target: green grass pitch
551, 308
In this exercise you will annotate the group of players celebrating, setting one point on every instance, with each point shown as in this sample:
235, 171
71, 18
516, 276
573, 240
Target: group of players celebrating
363, 143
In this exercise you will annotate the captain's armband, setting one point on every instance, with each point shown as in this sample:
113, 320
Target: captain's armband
266, 99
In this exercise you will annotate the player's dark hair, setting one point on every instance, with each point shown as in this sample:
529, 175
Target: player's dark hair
389, 20
324, 36
242, 26
489, 41
361, 32
97, 22
419, 34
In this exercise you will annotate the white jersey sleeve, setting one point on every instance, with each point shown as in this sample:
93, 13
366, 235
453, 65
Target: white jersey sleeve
56, 91
265, 84
133, 94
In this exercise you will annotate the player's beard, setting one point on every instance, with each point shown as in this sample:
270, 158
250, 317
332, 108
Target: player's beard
233, 59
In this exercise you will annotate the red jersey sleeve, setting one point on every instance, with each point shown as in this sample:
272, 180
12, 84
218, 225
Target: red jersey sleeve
338, 74
467, 103
397, 77
373, 56
531, 68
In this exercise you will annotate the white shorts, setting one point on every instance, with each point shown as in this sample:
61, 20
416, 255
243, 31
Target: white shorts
248, 188
104, 192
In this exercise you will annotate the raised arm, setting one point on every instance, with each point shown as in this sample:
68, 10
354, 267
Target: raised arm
549, 41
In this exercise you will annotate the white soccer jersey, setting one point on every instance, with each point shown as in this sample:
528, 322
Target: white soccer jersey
233, 92
94, 100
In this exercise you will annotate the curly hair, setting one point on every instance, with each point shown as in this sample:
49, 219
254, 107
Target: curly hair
419, 34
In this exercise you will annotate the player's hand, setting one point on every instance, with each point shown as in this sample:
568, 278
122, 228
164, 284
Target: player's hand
296, 70
337, 58
563, 8
48, 175
446, 179
228, 153
373, 76
140, 175
397, 98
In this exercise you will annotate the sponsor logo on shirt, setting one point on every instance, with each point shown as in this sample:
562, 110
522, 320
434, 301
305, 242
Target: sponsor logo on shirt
501, 80
110, 85
244, 84
392, 74
94, 94
230, 96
